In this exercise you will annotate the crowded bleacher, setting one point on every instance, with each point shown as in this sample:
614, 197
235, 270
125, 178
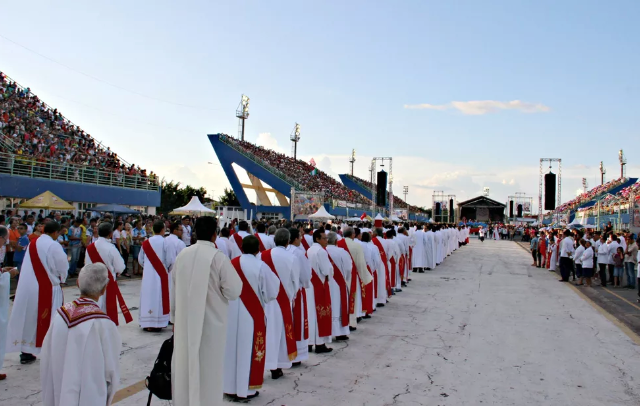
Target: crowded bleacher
398, 203
589, 195
35, 134
296, 172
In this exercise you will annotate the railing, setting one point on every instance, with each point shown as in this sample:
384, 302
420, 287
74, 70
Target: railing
20, 165
98, 143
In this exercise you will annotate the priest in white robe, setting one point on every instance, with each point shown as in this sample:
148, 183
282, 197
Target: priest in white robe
439, 246
6, 273
384, 282
430, 248
155, 304
319, 295
362, 276
245, 350
44, 267
266, 241
393, 255
223, 243
372, 258
110, 256
81, 351
300, 310
339, 288
235, 246
419, 252
281, 344
204, 283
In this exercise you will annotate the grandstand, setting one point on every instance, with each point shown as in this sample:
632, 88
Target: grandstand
280, 173
42, 150
613, 198
364, 187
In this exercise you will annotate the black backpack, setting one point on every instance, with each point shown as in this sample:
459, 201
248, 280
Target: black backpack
159, 381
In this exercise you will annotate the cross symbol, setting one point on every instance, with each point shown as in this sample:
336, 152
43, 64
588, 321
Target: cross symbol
15, 342
150, 311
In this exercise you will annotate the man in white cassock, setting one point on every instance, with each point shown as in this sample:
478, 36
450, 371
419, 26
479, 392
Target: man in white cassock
103, 251
307, 238
81, 350
245, 351
372, 259
402, 240
6, 273
235, 245
384, 281
281, 344
360, 279
38, 294
393, 255
319, 295
204, 282
266, 241
223, 243
419, 252
300, 310
430, 248
155, 304
339, 286
439, 246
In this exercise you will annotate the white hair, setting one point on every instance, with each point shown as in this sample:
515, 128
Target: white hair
92, 279
333, 238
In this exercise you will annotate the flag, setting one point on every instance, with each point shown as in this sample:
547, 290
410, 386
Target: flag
312, 163
314, 171
363, 216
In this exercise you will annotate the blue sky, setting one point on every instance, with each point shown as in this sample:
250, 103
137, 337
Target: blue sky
347, 71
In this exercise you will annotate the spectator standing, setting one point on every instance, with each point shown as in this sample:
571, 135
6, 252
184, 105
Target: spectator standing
587, 263
186, 231
566, 252
21, 246
75, 244
534, 250
630, 263
138, 236
618, 266
603, 259
578, 260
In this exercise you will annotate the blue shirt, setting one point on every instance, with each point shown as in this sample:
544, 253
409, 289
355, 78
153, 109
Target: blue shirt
75, 232
23, 242
138, 233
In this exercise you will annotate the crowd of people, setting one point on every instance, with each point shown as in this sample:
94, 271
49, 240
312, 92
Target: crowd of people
586, 255
298, 172
246, 299
589, 195
397, 202
40, 136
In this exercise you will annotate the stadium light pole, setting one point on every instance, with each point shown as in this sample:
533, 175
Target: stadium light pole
603, 171
352, 160
405, 190
623, 162
295, 138
242, 112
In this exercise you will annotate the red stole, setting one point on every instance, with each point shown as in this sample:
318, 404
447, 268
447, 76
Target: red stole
410, 264
45, 294
300, 306
394, 282
354, 277
285, 309
254, 307
113, 295
304, 242
402, 266
238, 240
79, 311
164, 276
383, 256
322, 297
342, 284
262, 248
375, 283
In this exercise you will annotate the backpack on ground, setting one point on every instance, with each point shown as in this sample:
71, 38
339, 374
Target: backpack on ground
159, 380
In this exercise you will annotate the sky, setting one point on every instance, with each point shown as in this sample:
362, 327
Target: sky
462, 94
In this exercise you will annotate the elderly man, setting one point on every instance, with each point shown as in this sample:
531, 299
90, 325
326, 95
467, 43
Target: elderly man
81, 350
39, 293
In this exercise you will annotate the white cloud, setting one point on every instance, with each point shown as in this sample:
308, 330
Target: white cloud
266, 140
480, 107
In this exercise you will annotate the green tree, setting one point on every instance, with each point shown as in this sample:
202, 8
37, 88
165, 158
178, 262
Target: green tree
229, 198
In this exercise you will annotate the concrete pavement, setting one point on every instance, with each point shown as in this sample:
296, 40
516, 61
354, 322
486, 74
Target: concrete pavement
483, 328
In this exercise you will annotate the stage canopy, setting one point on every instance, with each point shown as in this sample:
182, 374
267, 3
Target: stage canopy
482, 208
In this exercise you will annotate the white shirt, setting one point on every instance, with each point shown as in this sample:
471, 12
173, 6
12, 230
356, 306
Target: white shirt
587, 257
186, 235
578, 254
603, 253
566, 247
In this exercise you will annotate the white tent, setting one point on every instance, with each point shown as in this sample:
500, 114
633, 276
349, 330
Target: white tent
194, 206
322, 213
